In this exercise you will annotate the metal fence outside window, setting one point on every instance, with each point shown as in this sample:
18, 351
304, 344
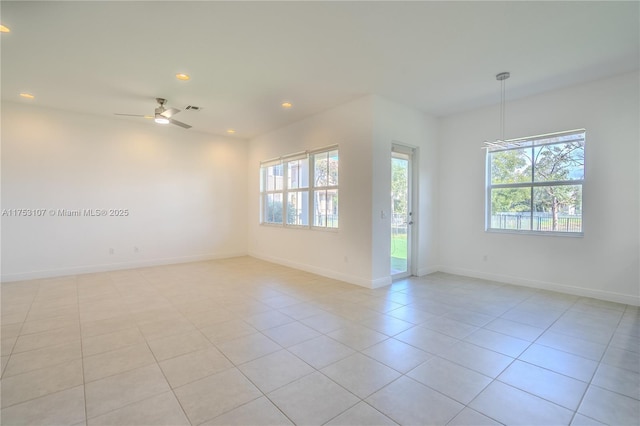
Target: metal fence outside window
523, 222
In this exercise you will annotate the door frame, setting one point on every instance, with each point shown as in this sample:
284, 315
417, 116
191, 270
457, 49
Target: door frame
412, 246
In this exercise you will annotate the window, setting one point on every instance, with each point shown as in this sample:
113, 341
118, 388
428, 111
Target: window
325, 194
535, 184
300, 190
272, 190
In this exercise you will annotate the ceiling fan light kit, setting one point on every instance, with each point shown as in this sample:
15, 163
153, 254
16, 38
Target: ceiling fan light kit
161, 120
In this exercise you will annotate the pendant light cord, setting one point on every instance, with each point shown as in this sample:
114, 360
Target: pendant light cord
501, 78
502, 109
503, 101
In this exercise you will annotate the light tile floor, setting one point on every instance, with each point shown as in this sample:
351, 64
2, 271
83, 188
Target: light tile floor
242, 341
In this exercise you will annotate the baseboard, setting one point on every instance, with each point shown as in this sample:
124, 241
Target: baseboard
610, 296
88, 269
381, 282
427, 270
351, 279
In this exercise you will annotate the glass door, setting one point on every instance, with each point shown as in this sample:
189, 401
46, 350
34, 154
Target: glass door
401, 214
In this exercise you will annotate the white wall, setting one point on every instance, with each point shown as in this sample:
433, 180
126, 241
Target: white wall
343, 254
359, 251
397, 123
605, 262
184, 191
193, 196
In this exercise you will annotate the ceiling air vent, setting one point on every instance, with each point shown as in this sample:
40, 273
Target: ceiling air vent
192, 108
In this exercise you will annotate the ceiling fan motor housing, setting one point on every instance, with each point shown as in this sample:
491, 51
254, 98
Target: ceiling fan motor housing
161, 102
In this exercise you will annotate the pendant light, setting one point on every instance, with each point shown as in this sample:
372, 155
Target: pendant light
502, 142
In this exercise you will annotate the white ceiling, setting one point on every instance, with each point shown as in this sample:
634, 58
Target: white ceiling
245, 58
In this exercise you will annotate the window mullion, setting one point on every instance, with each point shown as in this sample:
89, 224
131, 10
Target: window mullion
312, 187
533, 174
285, 192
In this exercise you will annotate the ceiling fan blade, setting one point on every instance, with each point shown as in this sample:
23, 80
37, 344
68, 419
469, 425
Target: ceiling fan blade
169, 112
133, 115
179, 123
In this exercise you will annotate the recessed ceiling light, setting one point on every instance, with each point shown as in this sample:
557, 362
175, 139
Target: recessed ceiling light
182, 76
27, 95
4, 29
231, 131
286, 105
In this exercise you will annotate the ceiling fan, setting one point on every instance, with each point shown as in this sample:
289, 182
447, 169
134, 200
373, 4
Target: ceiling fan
162, 115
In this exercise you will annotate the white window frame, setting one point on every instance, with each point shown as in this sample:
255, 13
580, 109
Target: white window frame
310, 189
313, 189
531, 143
265, 193
298, 189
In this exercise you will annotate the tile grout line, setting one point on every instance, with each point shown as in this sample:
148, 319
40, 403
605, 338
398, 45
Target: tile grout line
41, 368
598, 367
20, 330
518, 358
387, 337
84, 388
115, 374
573, 412
234, 366
162, 371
